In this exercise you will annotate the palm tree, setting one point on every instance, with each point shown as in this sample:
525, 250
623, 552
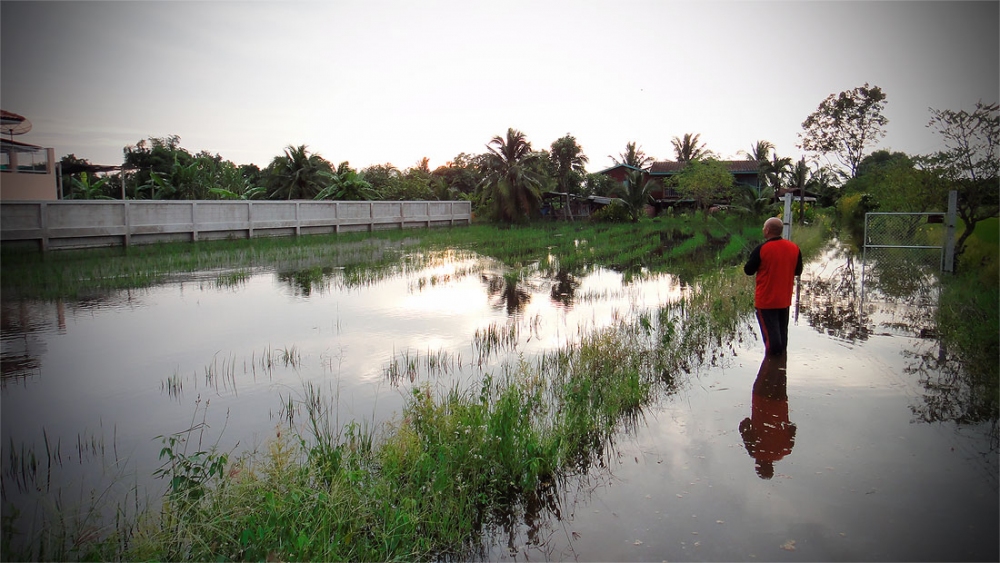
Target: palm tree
634, 191
568, 160
760, 152
688, 149
346, 184
633, 156
295, 174
777, 170
511, 182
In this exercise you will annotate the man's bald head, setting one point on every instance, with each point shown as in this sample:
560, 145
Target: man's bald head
773, 227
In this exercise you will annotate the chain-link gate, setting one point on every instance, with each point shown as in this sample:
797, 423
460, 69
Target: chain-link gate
903, 250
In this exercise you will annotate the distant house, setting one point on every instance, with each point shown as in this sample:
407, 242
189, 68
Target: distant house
27, 172
744, 172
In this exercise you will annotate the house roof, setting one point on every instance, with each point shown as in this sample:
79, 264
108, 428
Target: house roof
670, 167
617, 166
10, 145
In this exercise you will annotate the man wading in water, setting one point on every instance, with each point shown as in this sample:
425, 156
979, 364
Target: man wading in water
776, 262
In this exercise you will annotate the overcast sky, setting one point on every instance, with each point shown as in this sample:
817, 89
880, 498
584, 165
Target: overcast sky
373, 81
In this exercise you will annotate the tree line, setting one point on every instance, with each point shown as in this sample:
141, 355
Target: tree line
507, 181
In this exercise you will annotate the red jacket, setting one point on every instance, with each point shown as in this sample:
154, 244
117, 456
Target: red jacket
776, 262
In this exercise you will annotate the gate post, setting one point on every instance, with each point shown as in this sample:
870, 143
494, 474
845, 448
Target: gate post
786, 231
949, 237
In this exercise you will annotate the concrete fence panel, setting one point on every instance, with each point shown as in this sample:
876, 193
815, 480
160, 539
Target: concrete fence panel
82, 224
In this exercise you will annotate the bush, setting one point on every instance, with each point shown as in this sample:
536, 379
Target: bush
614, 212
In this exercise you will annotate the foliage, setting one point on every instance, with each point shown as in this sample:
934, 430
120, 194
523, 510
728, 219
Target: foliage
633, 156
462, 174
851, 211
83, 187
969, 162
568, 161
296, 174
846, 124
635, 193
687, 149
897, 184
705, 181
599, 185
512, 182
345, 185
760, 153
158, 155
614, 212
752, 202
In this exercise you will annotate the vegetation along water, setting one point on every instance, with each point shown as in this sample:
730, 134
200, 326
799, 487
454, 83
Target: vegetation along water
456, 462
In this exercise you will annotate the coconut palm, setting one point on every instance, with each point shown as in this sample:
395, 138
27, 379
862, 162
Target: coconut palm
760, 152
633, 156
296, 174
345, 184
511, 182
777, 170
634, 191
688, 149
568, 161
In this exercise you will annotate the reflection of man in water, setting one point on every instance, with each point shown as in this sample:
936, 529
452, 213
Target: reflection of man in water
775, 262
767, 434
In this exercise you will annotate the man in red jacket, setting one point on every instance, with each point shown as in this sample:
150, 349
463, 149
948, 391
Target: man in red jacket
776, 262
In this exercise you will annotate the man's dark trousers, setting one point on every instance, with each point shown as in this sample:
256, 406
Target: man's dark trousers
774, 328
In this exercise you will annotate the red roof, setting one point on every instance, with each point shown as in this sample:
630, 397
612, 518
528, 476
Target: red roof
667, 167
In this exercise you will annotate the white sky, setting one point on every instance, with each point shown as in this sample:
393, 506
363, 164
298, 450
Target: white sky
374, 81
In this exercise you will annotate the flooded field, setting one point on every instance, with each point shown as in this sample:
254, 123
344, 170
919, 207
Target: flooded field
851, 471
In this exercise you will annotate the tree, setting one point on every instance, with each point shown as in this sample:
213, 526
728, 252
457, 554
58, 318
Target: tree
156, 154
633, 156
568, 162
345, 185
760, 152
511, 184
777, 171
462, 174
705, 181
687, 149
296, 174
846, 124
969, 162
83, 187
896, 184
634, 191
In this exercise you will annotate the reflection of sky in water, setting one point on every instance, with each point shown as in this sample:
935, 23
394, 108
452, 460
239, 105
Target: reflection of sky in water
132, 366
861, 480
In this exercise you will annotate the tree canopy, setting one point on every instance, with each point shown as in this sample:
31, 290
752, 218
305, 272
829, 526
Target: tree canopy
846, 125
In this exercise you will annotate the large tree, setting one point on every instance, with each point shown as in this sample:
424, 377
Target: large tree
846, 125
511, 185
568, 161
969, 162
687, 149
705, 181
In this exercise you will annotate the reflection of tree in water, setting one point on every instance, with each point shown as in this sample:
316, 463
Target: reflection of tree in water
505, 292
901, 296
954, 392
830, 299
564, 289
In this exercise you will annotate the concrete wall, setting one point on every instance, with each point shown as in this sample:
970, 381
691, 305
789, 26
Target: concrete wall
81, 224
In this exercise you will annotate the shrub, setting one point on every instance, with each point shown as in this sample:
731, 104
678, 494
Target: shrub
614, 212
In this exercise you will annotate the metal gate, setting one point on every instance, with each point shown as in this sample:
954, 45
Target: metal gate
887, 230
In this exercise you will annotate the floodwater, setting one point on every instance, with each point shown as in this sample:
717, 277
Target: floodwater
821, 455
